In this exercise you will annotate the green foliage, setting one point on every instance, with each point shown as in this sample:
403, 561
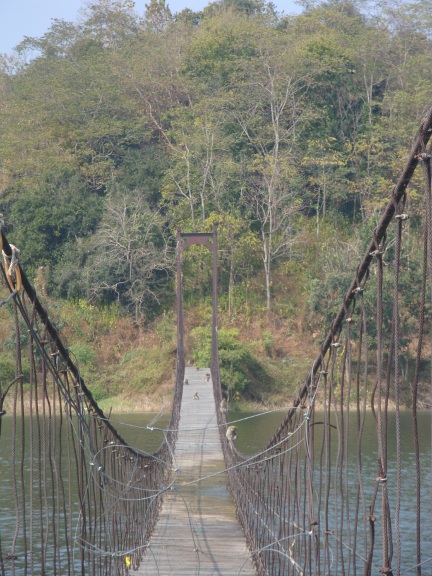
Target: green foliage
7, 370
336, 256
143, 370
239, 370
142, 168
99, 390
166, 327
48, 218
89, 321
133, 258
85, 358
285, 133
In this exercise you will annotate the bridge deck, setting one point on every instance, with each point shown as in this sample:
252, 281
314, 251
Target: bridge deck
197, 532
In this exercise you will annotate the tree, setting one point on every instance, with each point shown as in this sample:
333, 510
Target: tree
326, 167
245, 67
201, 171
269, 119
245, 120
239, 250
47, 219
157, 15
111, 22
134, 259
238, 368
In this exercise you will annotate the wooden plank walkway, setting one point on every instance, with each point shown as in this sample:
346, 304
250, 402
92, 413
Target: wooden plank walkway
197, 532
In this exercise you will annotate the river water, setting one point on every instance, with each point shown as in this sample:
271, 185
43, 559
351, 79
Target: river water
141, 431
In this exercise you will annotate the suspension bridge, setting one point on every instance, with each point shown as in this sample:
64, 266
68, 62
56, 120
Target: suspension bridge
86, 502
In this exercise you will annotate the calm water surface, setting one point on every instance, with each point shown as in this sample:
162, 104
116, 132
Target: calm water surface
253, 434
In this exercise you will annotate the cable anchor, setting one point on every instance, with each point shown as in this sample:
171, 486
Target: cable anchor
12, 269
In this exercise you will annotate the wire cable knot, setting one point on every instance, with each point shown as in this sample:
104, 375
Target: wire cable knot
422, 156
381, 479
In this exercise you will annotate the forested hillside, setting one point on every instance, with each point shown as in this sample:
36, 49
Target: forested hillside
287, 132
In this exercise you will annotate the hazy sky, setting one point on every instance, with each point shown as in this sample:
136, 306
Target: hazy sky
19, 18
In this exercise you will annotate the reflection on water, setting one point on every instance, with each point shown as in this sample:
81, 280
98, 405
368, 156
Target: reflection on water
255, 430
145, 432
39, 507
253, 434
142, 431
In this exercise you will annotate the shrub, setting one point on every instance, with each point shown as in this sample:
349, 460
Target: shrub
238, 368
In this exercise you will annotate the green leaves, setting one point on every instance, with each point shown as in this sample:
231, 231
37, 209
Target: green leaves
235, 359
124, 127
50, 216
133, 258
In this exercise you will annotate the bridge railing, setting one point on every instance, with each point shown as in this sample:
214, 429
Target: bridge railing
308, 502
84, 501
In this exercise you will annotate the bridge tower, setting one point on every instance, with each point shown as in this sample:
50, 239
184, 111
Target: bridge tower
209, 240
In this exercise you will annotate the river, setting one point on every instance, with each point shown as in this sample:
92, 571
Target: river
142, 431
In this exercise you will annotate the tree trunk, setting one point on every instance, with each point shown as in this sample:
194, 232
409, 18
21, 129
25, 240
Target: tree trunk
231, 288
266, 261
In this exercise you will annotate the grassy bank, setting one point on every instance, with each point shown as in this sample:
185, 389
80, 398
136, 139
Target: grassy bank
264, 356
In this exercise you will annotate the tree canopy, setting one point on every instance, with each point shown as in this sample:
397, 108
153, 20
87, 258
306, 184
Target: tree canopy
125, 126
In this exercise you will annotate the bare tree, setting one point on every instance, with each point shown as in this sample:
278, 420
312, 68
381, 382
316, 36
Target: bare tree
133, 253
270, 125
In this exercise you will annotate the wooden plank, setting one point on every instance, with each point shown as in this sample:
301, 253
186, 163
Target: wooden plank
197, 532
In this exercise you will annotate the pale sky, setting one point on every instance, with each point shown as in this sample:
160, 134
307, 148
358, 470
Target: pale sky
19, 18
